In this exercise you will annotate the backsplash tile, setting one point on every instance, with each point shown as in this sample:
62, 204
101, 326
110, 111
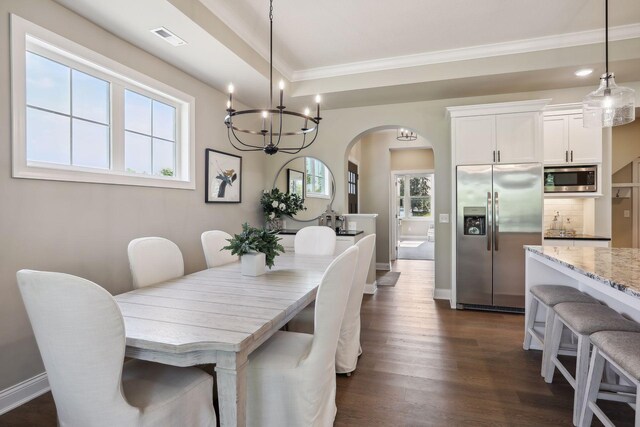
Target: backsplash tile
568, 208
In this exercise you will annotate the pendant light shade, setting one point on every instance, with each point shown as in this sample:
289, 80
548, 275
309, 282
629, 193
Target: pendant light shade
610, 104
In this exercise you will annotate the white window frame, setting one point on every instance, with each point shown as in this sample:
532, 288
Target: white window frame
26, 35
408, 215
327, 180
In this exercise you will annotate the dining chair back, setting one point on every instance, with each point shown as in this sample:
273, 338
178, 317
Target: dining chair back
212, 243
153, 260
315, 240
79, 330
349, 343
291, 379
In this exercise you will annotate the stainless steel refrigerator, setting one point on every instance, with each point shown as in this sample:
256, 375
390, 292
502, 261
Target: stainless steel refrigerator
499, 211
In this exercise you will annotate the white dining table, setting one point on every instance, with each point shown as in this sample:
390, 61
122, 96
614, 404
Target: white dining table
219, 316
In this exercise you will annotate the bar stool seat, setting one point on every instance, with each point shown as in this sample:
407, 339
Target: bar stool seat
622, 351
549, 296
583, 320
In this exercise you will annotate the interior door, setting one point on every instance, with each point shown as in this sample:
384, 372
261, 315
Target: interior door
517, 206
352, 183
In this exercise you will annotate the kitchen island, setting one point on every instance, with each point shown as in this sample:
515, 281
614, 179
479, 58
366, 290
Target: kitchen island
612, 275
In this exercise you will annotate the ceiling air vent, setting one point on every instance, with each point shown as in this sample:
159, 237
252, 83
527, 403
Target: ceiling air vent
168, 36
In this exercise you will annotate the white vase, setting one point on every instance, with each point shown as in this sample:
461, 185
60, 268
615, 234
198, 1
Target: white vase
253, 264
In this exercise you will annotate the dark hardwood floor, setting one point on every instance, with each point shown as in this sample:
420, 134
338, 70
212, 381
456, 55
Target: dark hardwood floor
424, 364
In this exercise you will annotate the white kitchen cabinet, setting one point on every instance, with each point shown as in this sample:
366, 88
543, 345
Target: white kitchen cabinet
475, 140
518, 138
566, 141
497, 133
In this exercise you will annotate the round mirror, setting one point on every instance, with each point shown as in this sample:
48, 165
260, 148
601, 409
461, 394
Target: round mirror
311, 179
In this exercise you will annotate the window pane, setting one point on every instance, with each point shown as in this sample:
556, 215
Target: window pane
401, 186
90, 144
164, 121
419, 186
401, 208
137, 112
48, 137
309, 167
137, 153
48, 84
90, 97
163, 157
421, 206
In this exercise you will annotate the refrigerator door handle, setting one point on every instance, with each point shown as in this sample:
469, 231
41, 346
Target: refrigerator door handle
497, 220
489, 237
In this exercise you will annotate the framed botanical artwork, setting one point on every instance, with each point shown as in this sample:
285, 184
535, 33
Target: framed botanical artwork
223, 177
295, 182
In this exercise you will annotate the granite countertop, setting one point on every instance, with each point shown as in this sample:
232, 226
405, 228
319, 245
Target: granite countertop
341, 233
575, 237
615, 267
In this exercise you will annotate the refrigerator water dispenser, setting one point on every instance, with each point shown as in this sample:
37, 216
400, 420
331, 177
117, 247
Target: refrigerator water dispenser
475, 220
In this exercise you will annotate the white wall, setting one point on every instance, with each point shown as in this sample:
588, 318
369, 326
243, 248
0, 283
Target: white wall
84, 229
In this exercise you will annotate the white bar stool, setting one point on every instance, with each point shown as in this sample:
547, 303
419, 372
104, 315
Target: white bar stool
583, 320
549, 296
621, 350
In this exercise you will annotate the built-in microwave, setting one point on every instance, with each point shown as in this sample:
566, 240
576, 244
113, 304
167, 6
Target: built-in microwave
570, 179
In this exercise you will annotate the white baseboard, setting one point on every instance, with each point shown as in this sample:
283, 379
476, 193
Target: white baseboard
385, 266
442, 294
23, 392
371, 288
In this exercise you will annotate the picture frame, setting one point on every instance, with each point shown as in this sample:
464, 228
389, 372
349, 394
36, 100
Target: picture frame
295, 182
223, 177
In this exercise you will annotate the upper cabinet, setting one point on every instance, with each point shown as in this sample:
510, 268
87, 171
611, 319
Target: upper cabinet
566, 141
497, 133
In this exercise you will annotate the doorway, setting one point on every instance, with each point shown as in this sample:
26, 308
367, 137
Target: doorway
352, 187
412, 204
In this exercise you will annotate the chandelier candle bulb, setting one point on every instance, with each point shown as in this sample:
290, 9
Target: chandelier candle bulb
264, 121
230, 103
306, 119
318, 106
281, 92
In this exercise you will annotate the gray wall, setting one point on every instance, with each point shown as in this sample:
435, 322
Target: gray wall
84, 229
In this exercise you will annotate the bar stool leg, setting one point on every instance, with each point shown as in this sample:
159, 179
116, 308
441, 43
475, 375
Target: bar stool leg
531, 319
548, 333
554, 347
582, 372
593, 387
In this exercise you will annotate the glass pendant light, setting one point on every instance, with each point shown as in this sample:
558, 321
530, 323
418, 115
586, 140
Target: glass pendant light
610, 104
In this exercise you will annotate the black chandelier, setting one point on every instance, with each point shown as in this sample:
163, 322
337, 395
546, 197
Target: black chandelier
271, 138
406, 135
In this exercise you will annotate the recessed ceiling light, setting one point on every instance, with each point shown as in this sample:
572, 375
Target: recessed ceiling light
168, 36
584, 72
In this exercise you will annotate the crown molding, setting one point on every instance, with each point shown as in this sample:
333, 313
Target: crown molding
497, 108
581, 38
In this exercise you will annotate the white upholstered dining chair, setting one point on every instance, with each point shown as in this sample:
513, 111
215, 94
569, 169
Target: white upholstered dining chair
80, 333
212, 243
291, 378
349, 343
315, 240
153, 260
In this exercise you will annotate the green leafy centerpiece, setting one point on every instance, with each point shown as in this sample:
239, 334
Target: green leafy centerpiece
257, 247
275, 204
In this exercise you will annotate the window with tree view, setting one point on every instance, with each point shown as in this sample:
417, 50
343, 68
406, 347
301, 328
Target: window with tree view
318, 179
414, 193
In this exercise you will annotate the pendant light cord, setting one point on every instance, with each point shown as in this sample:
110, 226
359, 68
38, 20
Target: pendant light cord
606, 40
271, 54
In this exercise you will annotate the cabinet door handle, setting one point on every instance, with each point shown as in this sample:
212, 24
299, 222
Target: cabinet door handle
566, 156
494, 156
571, 156
498, 156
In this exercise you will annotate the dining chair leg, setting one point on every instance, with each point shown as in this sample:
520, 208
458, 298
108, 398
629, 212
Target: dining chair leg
637, 406
582, 372
531, 320
592, 388
554, 347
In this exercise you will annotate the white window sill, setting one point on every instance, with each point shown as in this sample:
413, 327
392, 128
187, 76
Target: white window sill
317, 196
97, 176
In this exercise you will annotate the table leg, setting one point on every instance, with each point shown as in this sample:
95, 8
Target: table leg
231, 376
